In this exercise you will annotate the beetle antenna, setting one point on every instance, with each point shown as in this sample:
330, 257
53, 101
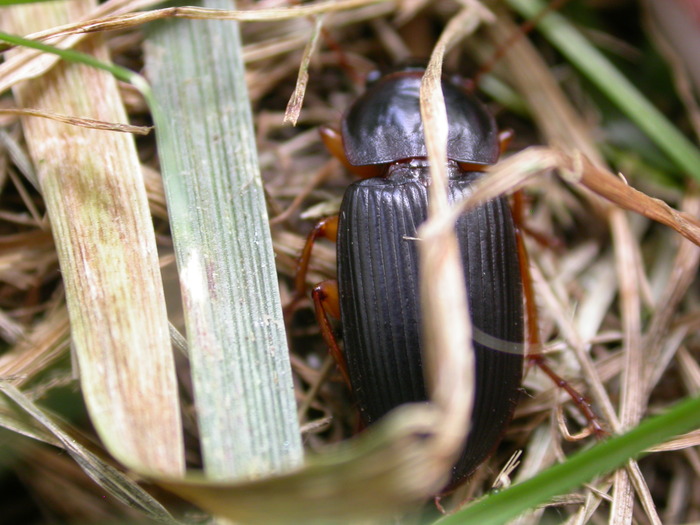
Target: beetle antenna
356, 78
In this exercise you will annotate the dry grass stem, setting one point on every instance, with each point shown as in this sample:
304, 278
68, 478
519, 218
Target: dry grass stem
78, 121
38, 350
691, 439
690, 370
658, 17
291, 115
449, 370
129, 20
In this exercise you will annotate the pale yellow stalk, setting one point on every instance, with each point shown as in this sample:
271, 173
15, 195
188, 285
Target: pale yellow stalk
94, 193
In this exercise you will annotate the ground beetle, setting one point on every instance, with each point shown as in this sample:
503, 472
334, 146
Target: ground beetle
376, 294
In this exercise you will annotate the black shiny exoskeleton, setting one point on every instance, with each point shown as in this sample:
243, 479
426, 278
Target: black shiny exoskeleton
378, 258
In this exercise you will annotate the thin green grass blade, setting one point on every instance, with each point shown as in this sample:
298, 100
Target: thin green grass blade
236, 338
580, 468
71, 55
17, 2
614, 85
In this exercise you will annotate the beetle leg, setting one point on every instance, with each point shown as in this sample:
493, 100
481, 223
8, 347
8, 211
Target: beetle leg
326, 302
533, 332
327, 229
547, 241
333, 140
534, 356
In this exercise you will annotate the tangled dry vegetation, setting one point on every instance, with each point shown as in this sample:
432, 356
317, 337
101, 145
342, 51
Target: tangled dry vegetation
616, 292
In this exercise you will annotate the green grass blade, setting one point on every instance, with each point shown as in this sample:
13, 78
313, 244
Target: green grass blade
71, 55
236, 338
599, 70
17, 2
580, 468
